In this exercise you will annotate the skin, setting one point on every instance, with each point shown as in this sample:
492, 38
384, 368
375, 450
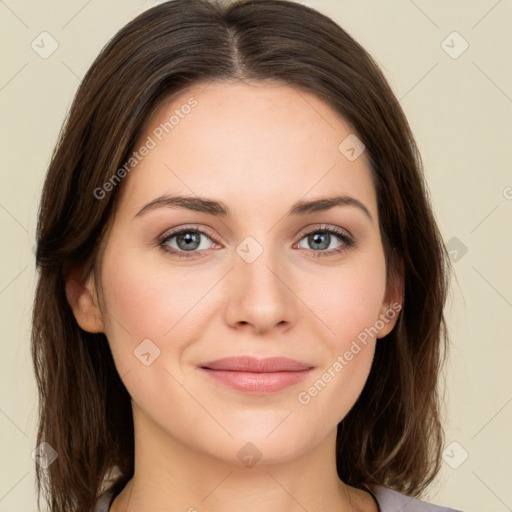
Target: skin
258, 147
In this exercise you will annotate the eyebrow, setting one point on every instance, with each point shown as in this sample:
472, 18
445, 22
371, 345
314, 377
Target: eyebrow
219, 209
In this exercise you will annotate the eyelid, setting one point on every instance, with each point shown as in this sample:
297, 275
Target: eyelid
326, 227
192, 227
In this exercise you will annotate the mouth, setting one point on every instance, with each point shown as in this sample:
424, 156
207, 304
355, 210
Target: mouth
256, 376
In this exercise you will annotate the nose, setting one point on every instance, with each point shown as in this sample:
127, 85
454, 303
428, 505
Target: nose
260, 294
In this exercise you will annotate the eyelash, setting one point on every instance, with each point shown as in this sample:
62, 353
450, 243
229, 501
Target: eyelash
341, 235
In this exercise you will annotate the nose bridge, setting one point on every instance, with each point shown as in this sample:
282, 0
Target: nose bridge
259, 262
258, 290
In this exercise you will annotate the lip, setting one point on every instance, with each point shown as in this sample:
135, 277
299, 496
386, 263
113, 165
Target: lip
256, 365
253, 375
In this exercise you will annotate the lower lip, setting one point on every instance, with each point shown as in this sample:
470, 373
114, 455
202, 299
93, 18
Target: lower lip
252, 382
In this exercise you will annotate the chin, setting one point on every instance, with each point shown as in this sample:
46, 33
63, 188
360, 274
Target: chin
253, 445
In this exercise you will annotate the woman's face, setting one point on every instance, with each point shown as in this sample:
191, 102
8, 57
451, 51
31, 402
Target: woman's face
245, 268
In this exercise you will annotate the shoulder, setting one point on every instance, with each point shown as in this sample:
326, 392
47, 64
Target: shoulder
393, 501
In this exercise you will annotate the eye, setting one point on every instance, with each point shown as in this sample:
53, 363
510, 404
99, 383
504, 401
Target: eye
187, 242
321, 238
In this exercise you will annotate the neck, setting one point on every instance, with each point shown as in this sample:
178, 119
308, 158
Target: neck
170, 476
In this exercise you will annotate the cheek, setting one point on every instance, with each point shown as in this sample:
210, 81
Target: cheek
139, 304
144, 297
349, 307
146, 305
348, 300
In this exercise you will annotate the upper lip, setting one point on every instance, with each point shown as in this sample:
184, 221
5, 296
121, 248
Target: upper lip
255, 365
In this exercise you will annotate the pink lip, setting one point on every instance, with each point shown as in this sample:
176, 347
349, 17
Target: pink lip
254, 375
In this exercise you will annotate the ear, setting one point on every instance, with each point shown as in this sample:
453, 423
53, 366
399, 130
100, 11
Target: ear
82, 297
393, 302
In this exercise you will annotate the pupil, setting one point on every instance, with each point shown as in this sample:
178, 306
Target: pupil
190, 239
317, 239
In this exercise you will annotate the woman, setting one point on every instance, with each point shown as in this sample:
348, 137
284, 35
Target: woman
241, 290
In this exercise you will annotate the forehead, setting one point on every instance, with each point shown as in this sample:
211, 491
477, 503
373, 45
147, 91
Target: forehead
247, 144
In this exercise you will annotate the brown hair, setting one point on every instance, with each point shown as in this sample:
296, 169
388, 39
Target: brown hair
393, 434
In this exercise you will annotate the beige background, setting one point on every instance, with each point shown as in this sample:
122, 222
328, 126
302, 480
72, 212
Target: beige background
460, 110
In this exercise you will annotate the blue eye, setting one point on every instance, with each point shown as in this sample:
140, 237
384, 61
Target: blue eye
187, 241
321, 238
